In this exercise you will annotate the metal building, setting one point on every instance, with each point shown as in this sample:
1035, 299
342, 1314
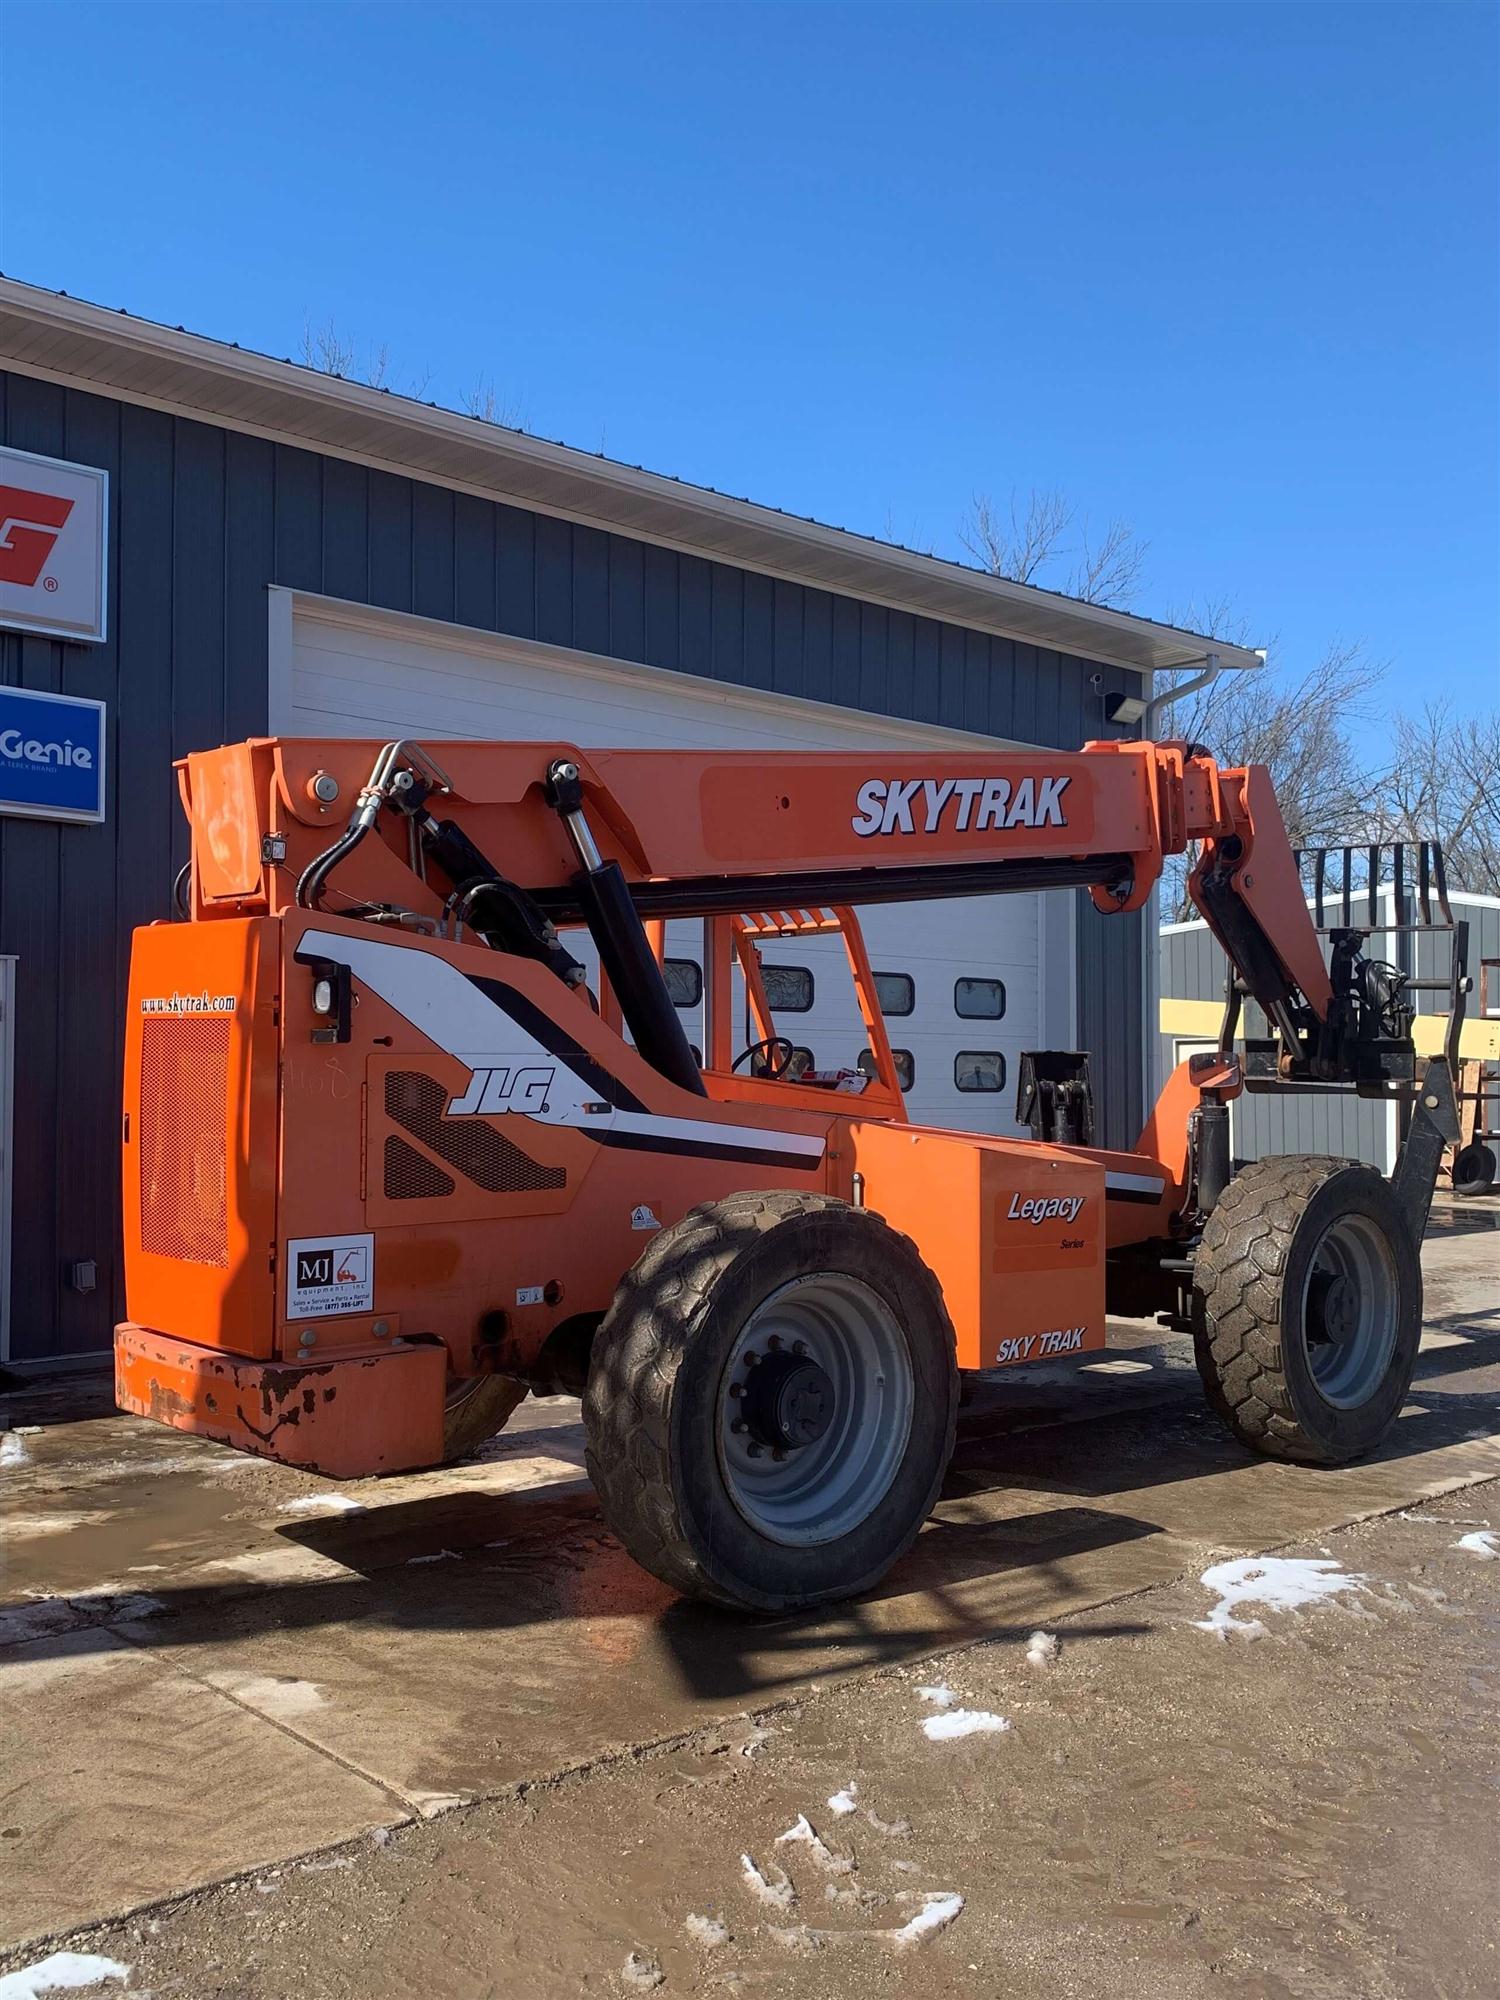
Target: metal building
1191, 1006
222, 545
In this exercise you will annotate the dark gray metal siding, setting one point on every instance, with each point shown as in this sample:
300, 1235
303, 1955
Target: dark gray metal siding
202, 520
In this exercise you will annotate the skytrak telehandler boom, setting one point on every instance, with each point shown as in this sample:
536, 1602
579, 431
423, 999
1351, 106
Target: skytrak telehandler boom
395, 1152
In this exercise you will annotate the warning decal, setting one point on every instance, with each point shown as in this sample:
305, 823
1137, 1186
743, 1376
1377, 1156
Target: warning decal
329, 1274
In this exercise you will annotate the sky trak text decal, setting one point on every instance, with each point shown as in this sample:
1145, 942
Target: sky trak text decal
925, 805
1038, 1346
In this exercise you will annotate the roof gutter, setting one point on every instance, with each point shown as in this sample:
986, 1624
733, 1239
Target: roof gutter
64, 340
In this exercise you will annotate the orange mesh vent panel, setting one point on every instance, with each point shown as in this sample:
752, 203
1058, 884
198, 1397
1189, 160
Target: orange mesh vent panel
184, 1146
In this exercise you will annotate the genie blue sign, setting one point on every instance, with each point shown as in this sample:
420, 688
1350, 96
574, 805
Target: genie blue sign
51, 756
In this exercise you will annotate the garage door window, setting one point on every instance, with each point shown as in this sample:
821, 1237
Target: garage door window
979, 1069
906, 1066
979, 999
684, 977
896, 992
789, 988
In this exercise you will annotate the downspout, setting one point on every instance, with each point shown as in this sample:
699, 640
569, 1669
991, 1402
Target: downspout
1211, 669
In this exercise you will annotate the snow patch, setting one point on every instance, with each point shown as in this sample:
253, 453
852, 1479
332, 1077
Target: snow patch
963, 1722
805, 1835
1481, 1543
1041, 1649
939, 1908
274, 1694
642, 1973
438, 1556
893, 1829
941, 1696
1280, 1583
779, 1893
13, 1452
707, 1931
843, 1802
323, 1503
63, 1971
799, 1937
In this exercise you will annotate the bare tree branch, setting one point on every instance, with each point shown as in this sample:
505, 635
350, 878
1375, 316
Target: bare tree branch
1018, 544
1110, 571
1442, 784
483, 402
1301, 727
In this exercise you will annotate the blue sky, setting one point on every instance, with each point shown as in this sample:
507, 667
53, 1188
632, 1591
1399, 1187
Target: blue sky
1228, 272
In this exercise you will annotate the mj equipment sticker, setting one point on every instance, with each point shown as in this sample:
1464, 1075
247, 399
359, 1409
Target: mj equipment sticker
329, 1274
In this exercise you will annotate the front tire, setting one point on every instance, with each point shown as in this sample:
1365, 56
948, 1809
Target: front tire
771, 1404
1308, 1308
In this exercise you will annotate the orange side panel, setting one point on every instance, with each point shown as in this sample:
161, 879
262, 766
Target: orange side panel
1013, 1231
372, 1413
199, 1167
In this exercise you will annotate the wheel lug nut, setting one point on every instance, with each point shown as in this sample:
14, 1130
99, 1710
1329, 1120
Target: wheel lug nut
755, 1451
738, 1426
799, 1347
778, 1454
736, 1389
774, 1341
750, 1357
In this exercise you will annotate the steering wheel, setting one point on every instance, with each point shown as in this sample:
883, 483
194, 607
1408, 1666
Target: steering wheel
776, 1052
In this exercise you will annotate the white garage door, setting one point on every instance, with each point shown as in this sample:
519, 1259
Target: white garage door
964, 996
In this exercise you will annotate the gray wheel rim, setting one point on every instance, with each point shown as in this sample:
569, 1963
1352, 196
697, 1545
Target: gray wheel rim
1350, 1303
811, 1493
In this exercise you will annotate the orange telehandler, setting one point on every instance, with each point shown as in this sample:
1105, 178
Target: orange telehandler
394, 1153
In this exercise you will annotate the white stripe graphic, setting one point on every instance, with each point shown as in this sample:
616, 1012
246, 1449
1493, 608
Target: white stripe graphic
1134, 1183
452, 1013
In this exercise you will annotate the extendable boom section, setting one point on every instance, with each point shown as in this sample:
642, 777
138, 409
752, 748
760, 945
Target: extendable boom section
480, 839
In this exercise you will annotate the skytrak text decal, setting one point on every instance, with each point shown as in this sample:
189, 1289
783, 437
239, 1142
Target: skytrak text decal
926, 805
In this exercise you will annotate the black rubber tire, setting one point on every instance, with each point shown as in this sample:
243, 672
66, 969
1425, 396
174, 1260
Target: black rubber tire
1474, 1170
476, 1411
1249, 1281
650, 1408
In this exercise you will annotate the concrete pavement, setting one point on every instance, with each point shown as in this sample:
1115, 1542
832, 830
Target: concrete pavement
209, 1664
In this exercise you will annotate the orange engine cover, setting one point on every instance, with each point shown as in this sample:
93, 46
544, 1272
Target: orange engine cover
1013, 1231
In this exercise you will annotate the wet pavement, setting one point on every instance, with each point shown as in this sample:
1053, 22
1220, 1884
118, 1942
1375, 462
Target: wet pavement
256, 1664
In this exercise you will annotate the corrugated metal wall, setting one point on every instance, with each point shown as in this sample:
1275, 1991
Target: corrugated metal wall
202, 521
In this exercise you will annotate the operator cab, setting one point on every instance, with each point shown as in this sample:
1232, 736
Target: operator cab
740, 1013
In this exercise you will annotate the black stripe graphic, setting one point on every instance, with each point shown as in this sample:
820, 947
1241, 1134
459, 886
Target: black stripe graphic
557, 1042
705, 1149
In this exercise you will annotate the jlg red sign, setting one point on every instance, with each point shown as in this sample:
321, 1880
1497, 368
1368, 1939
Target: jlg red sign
53, 517
29, 528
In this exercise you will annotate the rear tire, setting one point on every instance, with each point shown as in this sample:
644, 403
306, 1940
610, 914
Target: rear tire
1308, 1308
1473, 1170
476, 1410
771, 1405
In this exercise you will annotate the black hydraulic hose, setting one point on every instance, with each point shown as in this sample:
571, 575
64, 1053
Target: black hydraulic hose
310, 882
636, 977
180, 890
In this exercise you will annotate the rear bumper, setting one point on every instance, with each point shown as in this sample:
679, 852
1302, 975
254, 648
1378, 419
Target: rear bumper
372, 1413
